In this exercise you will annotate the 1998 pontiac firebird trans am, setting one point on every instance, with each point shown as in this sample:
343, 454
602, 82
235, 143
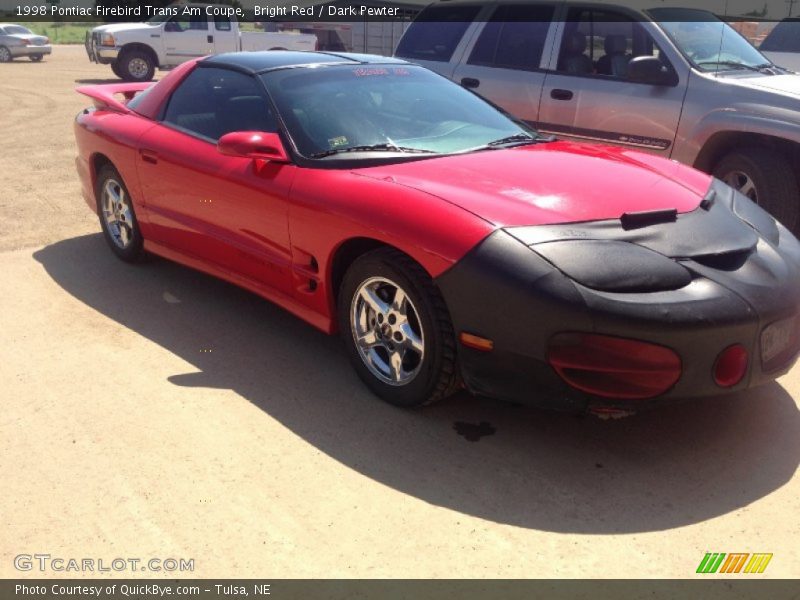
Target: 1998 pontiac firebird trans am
448, 242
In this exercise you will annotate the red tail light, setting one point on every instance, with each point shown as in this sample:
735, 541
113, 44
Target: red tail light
613, 367
731, 366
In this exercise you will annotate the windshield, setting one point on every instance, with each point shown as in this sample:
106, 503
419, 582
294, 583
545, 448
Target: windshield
15, 29
710, 44
397, 108
158, 19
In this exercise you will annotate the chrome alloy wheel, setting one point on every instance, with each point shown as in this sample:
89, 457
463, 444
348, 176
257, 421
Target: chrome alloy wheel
5, 54
117, 213
742, 182
387, 331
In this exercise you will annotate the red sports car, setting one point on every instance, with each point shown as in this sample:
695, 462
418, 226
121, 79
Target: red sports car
448, 242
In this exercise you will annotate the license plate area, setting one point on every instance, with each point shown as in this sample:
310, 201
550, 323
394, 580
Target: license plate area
779, 343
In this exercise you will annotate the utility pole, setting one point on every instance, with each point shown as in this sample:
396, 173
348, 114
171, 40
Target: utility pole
791, 4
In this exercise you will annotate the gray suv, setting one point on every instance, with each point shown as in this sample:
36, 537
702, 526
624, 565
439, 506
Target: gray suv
675, 82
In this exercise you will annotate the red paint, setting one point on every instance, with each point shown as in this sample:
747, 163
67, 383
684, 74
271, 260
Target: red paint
275, 228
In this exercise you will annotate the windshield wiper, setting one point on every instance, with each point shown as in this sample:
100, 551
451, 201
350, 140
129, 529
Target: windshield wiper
729, 63
512, 139
384, 147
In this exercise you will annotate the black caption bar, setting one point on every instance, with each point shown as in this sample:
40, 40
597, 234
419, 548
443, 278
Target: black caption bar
395, 589
348, 11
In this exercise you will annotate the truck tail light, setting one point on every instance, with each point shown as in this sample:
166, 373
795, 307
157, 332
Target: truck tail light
613, 367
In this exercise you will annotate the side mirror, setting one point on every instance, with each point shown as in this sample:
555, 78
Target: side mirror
253, 144
649, 69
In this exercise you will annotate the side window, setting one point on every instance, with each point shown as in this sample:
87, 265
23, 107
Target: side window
222, 23
187, 23
514, 37
435, 33
784, 38
599, 42
211, 102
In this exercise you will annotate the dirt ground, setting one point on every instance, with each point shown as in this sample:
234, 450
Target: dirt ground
153, 412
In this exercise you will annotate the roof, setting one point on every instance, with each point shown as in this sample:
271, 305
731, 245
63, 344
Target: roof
259, 62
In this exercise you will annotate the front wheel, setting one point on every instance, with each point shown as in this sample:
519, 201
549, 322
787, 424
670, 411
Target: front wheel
397, 329
117, 216
767, 178
136, 65
36, 57
116, 68
5, 55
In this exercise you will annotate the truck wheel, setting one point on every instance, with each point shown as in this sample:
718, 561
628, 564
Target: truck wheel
767, 178
115, 67
136, 65
5, 55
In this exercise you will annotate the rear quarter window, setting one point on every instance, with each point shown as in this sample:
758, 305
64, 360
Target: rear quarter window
436, 32
784, 38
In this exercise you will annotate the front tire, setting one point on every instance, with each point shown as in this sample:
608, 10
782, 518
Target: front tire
116, 68
767, 178
136, 65
397, 329
117, 216
5, 55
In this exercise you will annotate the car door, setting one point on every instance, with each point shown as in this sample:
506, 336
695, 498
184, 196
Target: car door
226, 212
587, 94
505, 64
186, 37
225, 35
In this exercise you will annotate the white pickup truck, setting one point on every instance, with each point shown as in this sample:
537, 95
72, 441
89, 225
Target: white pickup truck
136, 50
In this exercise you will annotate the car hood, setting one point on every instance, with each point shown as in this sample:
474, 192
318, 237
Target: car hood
550, 183
788, 83
123, 27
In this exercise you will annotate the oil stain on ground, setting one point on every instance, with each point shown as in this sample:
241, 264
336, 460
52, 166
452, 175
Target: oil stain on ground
472, 432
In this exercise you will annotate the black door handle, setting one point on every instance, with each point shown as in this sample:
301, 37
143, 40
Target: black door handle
557, 94
470, 82
210, 39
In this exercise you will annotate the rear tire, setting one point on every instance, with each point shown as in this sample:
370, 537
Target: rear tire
767, 178
5, 55
117, 216
136, 65
397, 329
36, 57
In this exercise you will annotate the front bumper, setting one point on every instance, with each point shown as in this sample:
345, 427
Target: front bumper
19, 51
504, 291
98, 53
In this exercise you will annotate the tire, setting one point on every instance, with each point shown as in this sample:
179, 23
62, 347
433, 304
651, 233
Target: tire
136, 65
766, 177
424, 340
5, 55
115, 67
117, 216
36, 57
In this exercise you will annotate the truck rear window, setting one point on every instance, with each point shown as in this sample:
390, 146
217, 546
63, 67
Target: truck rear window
784, 38
436, 32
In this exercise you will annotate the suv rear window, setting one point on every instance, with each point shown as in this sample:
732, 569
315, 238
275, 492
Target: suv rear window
784, 38
436, 32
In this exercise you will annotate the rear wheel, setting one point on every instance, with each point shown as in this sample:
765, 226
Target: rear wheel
397, 329
36, 57
136, 65
5, 55
767, 178
117, 216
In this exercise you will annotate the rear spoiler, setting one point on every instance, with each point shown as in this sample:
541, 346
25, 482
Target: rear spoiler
105, 96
